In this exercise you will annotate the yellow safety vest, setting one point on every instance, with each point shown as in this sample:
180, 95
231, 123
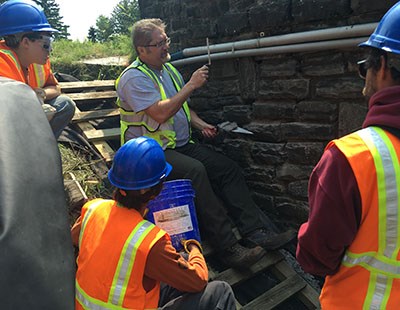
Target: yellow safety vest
164, 133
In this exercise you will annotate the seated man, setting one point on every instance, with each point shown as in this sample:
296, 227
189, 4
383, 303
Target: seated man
24, 56
153, 102
123, 258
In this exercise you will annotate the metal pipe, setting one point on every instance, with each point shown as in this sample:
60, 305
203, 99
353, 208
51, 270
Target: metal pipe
299, 37
292, 48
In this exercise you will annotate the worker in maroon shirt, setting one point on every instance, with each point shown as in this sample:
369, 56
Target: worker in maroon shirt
352, 235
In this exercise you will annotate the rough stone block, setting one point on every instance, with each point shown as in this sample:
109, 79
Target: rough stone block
272, 13
247, 77
307, 132
223, 69
304, 153
289, 88
290, 172
259, 173
278, 67
238, 150
304, 11
266, 132
362, 6
268, 153
340, 88
298, 188
351, 116
240, 114
317, 111
232, 23
323, 65
274, 110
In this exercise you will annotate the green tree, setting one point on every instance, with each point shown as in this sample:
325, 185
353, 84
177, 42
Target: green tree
124, 15
104, 28
92, 34
52, 12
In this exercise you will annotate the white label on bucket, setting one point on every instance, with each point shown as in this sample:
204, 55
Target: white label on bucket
174, 220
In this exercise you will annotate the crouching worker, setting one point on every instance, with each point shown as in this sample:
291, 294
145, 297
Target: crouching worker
126, 262
24, 57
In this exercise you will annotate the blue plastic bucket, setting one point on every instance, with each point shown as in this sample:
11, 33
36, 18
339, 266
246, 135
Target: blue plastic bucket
173, 210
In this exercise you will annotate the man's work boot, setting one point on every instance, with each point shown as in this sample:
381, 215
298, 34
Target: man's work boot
270, 240
242, 257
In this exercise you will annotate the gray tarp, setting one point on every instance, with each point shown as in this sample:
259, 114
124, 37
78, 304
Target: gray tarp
36, 258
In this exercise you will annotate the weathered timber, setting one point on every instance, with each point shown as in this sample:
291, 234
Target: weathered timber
90, 115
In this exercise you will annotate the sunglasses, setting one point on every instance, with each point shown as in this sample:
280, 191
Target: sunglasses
162, 43
46, 41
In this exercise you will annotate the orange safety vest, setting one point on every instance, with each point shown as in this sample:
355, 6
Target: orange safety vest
369, 275
10, 67
113, 246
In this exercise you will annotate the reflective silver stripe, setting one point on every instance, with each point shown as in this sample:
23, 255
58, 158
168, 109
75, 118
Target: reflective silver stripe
126, 261
381, 287
88, 213
383, 264
91, 303
392, 195
373, 263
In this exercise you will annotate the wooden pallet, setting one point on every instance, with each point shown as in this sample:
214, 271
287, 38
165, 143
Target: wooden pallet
94, 93
291, 284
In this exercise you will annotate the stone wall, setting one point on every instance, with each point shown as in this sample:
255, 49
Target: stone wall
294, 103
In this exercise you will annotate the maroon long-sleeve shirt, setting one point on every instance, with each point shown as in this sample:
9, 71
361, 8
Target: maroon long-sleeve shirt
334, 197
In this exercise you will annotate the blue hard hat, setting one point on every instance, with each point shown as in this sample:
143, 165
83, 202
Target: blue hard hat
139, 164
387, 35
18, 16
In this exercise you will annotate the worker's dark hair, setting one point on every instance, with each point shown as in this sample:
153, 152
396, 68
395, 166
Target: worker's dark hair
143, 29
136, 199
14, 40
374, 61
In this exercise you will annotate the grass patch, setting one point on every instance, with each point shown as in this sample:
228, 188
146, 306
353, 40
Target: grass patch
77, 163
67, 51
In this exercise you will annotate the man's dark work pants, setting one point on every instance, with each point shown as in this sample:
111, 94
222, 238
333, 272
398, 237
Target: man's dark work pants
205, 167
217, 295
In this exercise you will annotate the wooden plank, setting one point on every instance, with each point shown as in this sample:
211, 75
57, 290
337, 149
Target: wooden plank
68, 87
92, 96
308, 295
236, 276
101, 134
103, 147
278, 294
90, 115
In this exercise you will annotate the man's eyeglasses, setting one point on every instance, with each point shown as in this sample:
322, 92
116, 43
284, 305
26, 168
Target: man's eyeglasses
363, 66
162, 43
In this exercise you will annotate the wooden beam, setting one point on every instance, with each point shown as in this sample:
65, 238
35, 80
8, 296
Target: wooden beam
89, 115
69, 87
236, 276
101, 134
92, 96
278, 294
308, 295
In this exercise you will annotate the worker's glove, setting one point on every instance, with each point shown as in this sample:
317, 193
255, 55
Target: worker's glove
186, 243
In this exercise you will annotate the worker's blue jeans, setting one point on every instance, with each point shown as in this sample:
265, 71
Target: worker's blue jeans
65, 111
217, 295
218, 183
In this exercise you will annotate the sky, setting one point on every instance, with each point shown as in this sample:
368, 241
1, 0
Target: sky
79, 15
